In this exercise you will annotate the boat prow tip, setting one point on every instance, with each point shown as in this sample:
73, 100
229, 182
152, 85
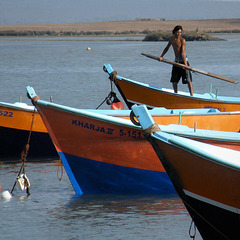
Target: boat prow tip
31, 94
107, 68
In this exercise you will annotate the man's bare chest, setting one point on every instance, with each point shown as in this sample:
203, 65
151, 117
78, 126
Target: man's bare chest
177, 44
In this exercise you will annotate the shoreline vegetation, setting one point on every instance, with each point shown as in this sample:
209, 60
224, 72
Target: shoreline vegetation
149, 29
151, 36
188, 36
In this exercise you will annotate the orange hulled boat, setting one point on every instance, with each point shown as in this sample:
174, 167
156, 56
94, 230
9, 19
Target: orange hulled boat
134, 92
20, 124
106, 154
206, 178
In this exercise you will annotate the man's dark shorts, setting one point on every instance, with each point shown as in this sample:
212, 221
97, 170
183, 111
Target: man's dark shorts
178, 73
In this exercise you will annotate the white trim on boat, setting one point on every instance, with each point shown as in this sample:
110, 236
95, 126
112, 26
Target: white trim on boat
212, 202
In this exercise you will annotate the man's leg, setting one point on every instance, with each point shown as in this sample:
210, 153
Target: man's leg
190, 87
175, 87
189, 80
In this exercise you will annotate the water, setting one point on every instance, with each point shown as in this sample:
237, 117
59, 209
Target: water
65, 70
73, 76
53, 211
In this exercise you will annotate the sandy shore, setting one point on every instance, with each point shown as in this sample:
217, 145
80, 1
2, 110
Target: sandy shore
210, 25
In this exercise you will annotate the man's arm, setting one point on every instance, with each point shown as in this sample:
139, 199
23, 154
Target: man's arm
165, 50
184, 54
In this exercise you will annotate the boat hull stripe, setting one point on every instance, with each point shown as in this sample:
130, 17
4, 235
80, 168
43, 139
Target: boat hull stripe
212, 202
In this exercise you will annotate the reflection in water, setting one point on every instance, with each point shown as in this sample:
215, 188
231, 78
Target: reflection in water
53, 211
126, 216
149, 204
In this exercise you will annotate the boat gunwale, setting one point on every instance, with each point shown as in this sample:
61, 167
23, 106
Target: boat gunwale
203, 134
128, 123
195, 148
17, 106
86, 113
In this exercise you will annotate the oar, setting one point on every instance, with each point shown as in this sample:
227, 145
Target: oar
192, 69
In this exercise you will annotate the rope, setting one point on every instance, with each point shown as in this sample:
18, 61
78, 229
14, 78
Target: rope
24, 154
60, 169
152, 129
112, 94
113, 76
102, 102
108, 97
186, 203
194, 230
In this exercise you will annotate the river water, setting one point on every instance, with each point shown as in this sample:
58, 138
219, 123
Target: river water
64, 69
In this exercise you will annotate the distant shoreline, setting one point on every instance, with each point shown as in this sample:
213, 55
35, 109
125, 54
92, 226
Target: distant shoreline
139, 27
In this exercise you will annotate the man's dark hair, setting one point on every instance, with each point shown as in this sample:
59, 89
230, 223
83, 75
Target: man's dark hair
178, 27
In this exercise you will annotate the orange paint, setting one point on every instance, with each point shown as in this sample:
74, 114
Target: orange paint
100, 141
191, 169
20, 119
156, 98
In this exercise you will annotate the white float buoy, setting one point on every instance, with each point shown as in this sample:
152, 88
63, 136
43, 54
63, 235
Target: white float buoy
89, 48
6, 195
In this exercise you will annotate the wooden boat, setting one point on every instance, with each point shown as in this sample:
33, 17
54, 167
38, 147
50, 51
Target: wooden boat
206, 178
100, 153
16, 123
16, 119
134, 92
103, 154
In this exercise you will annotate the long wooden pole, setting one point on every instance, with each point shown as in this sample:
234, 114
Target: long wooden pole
192, 69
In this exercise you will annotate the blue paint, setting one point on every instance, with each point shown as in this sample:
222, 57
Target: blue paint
89, 176
6, 114
70, 174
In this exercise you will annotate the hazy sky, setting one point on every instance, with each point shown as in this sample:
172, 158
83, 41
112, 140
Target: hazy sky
73, 11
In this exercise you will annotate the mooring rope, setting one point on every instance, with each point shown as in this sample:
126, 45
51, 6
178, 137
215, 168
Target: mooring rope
152, 129
192, 225
205, 220
60, 171
102, 102
23, 159
113, 76
108, 97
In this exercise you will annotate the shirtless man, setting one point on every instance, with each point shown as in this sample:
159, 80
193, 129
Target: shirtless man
179, 46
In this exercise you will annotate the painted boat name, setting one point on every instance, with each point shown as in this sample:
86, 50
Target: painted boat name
122, 132
6, 113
